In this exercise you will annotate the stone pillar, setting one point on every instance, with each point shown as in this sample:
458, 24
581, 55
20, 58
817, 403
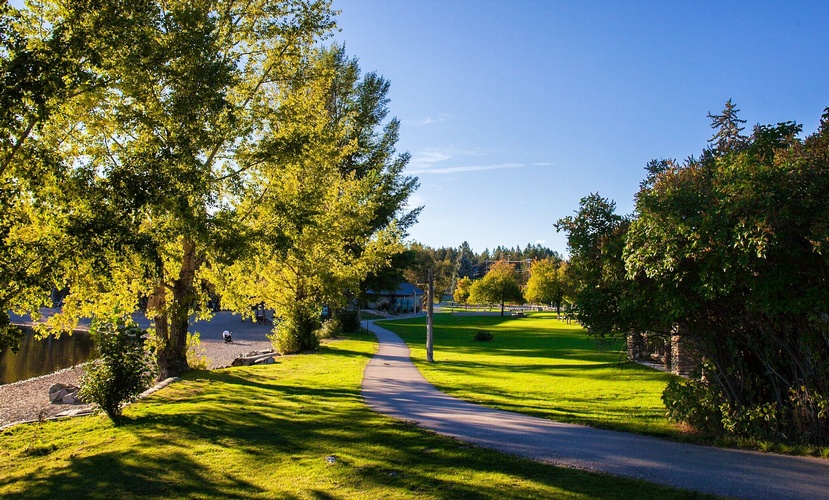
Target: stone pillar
636, 346
682, 356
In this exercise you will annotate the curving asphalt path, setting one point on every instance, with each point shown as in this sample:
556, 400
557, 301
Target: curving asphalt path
392, 385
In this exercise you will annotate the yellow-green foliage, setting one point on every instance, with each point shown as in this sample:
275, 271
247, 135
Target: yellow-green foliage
330, 329
196, 353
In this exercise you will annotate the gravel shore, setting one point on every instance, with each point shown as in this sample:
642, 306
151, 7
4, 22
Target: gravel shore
29, 399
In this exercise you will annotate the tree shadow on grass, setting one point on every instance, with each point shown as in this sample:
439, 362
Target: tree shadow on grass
262, 420
308, 424
118, 475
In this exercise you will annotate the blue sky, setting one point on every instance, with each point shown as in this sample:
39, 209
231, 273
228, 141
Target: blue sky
513, 111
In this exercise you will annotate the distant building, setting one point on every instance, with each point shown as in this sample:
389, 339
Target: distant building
406, 299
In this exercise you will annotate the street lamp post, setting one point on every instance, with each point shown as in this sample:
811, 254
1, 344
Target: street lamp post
429, 314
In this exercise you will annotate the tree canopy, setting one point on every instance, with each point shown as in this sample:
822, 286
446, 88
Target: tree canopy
209, 147
462, 290
42, 68
500, 285
596, 273
548, 283
729, 252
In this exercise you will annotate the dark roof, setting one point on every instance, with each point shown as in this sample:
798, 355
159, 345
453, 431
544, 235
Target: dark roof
403, 289
408, 289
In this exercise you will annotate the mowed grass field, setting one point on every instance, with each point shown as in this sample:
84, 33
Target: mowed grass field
294, 429
540, 366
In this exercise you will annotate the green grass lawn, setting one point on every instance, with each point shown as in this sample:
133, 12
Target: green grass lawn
266, 432
540, 366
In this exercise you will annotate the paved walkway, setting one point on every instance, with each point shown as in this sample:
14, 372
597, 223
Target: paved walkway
393, 386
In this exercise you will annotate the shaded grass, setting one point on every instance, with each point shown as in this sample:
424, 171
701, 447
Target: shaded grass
268, 431
540, 366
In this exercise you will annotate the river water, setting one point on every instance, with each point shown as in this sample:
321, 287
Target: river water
40, 357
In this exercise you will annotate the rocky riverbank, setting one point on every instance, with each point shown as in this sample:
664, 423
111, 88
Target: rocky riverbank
29, 399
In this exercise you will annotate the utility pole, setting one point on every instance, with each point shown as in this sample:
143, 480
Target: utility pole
430, 311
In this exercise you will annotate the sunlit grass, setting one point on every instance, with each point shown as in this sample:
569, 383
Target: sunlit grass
540, 366
268, 432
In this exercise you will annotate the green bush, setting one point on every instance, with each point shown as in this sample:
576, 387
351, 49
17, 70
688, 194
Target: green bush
483, 335
350, 320
756, 421
284, 340
695, 403
330, 328
121, 373
702, 406
296, 334
810, 417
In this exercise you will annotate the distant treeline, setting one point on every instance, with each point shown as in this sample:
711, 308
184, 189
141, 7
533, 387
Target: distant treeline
451, 264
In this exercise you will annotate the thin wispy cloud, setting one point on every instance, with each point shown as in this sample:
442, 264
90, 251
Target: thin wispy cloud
429, 157
424, 170
429, 120
442, 161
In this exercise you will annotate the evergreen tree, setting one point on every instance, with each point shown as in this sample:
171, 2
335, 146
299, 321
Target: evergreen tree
728, 135
463, 264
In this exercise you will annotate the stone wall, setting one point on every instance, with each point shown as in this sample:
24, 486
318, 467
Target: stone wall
676, 355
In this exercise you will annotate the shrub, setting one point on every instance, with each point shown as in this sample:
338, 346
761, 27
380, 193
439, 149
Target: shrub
284, 340
196, 353
350, 320
756, 421
296, 334
483, 336
330, 328
695, 403
803, 419
121, 373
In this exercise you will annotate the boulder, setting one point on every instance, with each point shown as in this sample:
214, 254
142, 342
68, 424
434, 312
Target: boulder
254, 358
54, 392
70, 398
64, 394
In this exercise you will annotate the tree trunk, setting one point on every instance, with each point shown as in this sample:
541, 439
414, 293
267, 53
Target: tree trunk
172, 324
502, 308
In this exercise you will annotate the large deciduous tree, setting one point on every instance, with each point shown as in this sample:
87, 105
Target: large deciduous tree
735, 246
499, 285
218, 145
547, 283
165, 155
595, 239
729, 252
347, 195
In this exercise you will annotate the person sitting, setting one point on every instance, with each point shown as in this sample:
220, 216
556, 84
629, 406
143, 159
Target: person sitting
226, 336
